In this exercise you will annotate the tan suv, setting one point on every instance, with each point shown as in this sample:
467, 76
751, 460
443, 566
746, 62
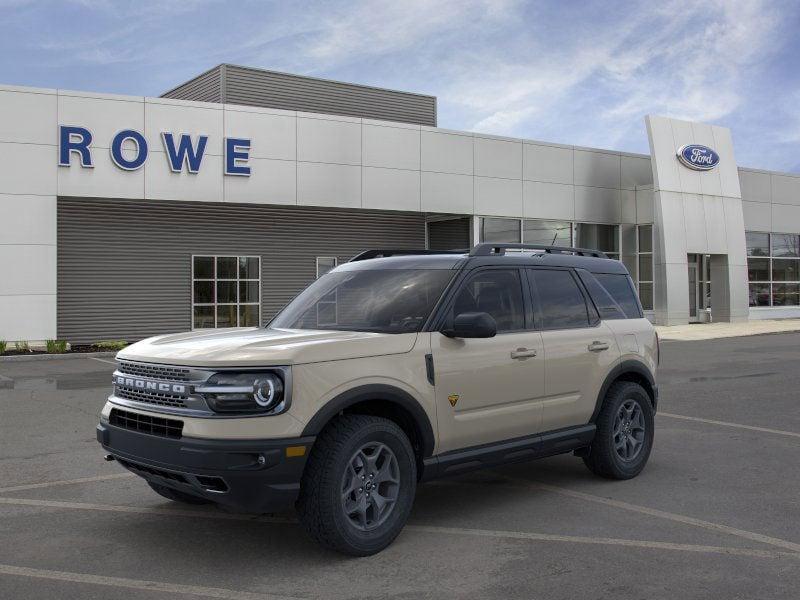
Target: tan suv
394, 368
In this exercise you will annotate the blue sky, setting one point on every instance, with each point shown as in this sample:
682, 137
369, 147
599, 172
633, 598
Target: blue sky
572, 72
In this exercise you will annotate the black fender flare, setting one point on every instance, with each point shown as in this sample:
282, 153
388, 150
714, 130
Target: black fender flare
387, 393
625, 367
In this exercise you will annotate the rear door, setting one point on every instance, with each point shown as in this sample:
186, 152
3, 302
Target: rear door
579, 349
614, 295
489, 389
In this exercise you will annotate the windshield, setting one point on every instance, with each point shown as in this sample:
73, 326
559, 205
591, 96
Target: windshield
384, 301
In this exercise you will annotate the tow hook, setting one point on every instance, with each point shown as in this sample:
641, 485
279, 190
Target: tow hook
109, 457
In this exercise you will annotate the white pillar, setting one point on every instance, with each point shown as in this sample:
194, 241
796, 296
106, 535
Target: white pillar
28, 182
696, 212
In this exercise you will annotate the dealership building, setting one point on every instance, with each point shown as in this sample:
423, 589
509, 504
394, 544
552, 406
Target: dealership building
123, 217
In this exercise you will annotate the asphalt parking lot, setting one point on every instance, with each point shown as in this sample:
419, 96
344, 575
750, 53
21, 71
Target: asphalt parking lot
716, 514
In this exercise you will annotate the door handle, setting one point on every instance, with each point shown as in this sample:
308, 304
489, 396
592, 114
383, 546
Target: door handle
598, 346
522, 353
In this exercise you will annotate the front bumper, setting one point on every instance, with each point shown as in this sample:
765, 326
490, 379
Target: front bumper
254, 476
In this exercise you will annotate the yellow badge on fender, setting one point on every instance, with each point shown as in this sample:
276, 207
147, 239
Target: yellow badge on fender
452, 399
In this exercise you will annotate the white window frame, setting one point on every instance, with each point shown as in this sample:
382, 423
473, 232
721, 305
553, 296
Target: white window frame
772, 282
215, 280
335, 302
335, 260
639, 253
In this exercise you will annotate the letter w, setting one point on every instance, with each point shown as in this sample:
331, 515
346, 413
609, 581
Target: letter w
185, 153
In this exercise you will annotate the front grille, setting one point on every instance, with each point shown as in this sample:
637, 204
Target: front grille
145, 470
171, 428
158, 398
154, 371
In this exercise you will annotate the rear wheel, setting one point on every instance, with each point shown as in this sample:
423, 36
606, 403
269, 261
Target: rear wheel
358, 486
177, 496
625, 429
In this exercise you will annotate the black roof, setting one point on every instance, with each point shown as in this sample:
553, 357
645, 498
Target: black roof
485, 254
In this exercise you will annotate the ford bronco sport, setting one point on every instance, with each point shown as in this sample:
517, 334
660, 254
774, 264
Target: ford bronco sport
394, 368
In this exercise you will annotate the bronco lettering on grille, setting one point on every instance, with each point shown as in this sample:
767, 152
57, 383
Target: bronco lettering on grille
147, 385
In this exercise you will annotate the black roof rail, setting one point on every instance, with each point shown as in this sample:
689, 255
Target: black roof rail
488, 248
383, 253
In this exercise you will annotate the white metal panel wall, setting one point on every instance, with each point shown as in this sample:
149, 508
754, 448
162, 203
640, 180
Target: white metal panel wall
771, 201
27, 214
317, 160
257, 87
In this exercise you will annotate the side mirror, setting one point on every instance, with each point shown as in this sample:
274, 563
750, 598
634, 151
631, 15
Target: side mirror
472, 325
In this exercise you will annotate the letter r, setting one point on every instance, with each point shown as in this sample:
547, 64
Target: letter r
74, 139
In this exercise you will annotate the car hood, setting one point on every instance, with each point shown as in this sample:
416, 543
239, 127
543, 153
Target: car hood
257, 346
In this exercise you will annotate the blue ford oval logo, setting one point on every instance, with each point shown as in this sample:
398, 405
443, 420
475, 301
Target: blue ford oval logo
697, 157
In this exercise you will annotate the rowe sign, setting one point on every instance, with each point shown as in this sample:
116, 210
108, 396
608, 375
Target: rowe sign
182, 152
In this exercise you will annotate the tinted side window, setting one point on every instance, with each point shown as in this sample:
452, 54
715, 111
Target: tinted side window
497, 292
561, 302
621, 289
606, 305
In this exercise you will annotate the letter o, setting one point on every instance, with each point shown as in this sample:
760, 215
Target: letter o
141, 150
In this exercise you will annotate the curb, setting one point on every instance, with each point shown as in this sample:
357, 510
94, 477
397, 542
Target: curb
67, 356
725, 337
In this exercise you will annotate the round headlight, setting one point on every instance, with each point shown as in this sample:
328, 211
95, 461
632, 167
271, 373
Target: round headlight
268, 391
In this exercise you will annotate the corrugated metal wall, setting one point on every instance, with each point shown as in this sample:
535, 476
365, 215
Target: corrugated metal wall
206, 87
124, 267
269, 89
449, 234
291, 92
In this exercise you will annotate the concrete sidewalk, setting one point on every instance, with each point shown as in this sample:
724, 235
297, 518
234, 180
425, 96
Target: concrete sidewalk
710, 331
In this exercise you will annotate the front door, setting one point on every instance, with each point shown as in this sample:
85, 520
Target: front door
694, 289
489, 389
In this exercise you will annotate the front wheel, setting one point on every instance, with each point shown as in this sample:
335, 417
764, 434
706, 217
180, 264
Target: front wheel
625, 428
358, 486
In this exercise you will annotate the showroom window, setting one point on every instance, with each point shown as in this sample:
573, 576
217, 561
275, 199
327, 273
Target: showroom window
547, 233
644, 264
598, 237
325, 264
226, 291
552, 233
773, 268
326, 306
501, 231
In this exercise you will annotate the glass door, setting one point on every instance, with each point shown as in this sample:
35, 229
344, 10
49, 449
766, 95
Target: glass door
694, 289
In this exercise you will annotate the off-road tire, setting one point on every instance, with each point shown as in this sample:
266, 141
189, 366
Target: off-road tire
319, 505
177, 496
603, 458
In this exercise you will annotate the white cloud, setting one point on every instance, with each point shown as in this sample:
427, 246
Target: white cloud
658, 60
561, 72
370, 28
701, 75
582, 73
